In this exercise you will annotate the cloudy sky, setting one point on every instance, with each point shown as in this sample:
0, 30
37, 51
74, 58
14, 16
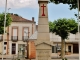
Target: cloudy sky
19, 3
29, 9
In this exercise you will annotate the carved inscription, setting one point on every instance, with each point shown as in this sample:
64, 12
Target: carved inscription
43, 55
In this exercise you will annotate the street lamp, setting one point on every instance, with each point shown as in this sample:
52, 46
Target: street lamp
8, 9
4, 29
26, 40
78, 27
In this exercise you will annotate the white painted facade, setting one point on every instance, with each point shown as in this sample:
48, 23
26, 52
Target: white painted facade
20, 26
28, 27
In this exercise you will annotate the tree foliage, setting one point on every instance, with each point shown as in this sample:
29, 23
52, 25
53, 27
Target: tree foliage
71, 3
63, 27
51, 26
8, 21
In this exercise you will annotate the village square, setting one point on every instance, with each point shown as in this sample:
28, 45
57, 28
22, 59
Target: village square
23, 39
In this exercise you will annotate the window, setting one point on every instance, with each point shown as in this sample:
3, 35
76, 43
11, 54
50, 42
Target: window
59, 48
4, 47
14, 33
5, 43
52, 49
25, 33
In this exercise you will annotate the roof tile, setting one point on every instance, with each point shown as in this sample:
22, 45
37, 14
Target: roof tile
16, 18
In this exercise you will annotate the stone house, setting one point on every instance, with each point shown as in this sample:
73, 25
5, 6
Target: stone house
71, 44
18, 32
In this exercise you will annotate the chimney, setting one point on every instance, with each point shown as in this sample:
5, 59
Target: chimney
32, 18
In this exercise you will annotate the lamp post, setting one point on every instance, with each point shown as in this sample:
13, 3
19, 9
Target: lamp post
26, 40
8, 9
78, 27
4, 29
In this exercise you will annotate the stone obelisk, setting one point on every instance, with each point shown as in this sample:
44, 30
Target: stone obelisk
43, 45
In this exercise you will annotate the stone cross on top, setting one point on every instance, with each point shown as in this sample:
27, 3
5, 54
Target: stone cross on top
43, 7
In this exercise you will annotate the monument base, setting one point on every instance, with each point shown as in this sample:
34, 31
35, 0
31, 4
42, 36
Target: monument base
43, 50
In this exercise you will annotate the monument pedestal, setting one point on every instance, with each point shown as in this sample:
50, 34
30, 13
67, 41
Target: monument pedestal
43, 45
43, 50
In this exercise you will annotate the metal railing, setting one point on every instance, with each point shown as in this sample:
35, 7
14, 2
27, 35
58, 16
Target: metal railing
14, 38
25, 38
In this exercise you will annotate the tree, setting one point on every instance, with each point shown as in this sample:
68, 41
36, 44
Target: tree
8, 21
51, 26
63, 27
71, 3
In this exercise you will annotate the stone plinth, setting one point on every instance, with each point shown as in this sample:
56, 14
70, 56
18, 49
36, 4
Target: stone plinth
43, 50
43, 45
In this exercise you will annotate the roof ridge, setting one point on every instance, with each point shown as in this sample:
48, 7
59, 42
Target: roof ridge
16, 18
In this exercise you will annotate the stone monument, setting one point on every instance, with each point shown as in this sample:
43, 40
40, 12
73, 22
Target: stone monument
43, 45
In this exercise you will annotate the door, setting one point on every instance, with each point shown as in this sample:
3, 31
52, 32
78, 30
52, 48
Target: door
21, 50
69, 48
13, 48
75, 48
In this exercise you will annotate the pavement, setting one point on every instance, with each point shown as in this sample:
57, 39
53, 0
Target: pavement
71, 56
54, 56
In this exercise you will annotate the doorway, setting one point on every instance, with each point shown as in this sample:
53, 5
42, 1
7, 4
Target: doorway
21, 50
69, 48
13, 48
75, 48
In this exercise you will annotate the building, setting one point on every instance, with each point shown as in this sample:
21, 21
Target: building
21, 30
71, 44
15, 40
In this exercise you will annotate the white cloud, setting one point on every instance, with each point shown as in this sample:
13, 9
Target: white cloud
19, 3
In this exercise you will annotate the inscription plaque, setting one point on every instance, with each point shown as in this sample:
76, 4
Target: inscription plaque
43, 54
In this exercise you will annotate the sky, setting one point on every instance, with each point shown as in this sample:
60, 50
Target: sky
30, 8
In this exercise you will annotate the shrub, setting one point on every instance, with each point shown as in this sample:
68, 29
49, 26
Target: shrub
66, 59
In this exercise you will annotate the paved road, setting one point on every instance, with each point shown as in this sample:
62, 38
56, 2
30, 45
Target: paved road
56, 57
34, 59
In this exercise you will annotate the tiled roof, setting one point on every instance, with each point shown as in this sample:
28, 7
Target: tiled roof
34, 36
16, 18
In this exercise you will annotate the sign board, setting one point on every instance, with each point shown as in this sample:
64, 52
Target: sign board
43, 54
